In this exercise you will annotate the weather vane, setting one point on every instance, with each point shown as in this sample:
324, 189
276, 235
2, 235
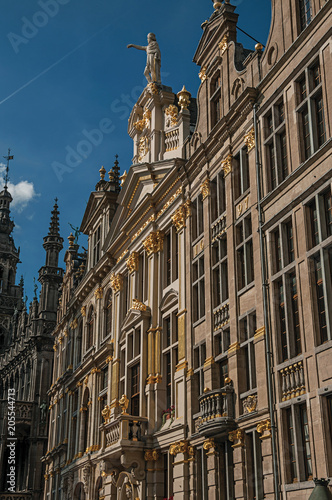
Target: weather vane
77, 232
6, 177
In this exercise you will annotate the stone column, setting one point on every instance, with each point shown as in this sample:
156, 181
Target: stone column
132, 265
237, 437
264, 429
212, 467
117, 286
183, 454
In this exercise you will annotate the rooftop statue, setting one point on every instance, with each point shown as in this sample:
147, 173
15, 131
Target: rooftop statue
153, 59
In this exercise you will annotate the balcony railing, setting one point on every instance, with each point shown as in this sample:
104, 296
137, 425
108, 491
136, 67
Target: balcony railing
221, 317
218, 228
125, 427
216, 411
292, 383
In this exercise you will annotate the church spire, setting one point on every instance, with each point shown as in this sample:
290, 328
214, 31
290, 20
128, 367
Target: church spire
50, 275
6, 224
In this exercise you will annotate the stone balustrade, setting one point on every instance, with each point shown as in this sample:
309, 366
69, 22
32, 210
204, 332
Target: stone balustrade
125, 427
15, 496
172, 139
221, 317
216, 410
218, 228
292, 381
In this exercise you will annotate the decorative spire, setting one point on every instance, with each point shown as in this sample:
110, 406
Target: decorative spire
71, 239
184, 98
114, 174
54, 225
102, 172
6, 177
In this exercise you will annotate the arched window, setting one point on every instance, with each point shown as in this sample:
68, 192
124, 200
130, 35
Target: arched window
22, 383
1, 278
79, 492
99, 485
108, 314
89, 333
2, 335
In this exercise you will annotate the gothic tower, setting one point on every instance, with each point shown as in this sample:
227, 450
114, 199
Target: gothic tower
50, 275
10, 296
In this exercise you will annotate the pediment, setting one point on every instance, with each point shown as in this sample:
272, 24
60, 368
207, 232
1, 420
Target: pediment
170, 299
133, 317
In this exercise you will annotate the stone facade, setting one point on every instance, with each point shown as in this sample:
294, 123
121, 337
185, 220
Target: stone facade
193, 342
26, 360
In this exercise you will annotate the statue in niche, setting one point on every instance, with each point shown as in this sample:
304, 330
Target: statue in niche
153, 59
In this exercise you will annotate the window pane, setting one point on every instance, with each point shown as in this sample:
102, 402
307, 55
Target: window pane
291, 448
321, 134
320, 299
282, 322
306, 442
306, 132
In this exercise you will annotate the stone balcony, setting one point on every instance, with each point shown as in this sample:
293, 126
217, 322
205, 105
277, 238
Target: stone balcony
292, 381
220, 317
216, 412
125, 430
218, 228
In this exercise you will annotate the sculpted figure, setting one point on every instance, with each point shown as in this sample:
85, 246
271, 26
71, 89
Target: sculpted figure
153, 59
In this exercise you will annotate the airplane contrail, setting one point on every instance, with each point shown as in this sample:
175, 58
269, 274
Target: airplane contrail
54, 64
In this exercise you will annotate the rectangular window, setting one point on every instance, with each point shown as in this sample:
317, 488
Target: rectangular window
304, 13
218, 196
319, 233
299, 449
311, 111
244, 250
198, 289
135, 389
254, 466
197, 217
247, 327
96, 246
170, 356
283, 249
276, 145
220, 271
241, 172
288, 316
199, 359
171, 257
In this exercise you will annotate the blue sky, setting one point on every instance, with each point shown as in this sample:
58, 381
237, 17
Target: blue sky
65, 68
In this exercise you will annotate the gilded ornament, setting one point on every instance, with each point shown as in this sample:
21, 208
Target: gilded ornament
172, 115
233, 348
109, 359
154, 242
180, 215
106, 414
102, 172
209, 446
111, 175
123, 177
140, 125
74, 324
249, 140
153, 88
226, 165
223, 45
139, 306
151, 455
83, 311
181, 447
99, 293
71, 239
143, 148
184, 98
202, 74
249, 404
205, 189
260, 332
264, 428
86, 380
124, 403
95, 370
132, 262
116, 282
236, 437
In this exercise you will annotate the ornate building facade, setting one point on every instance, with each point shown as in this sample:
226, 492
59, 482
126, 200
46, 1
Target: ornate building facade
25, 361
192, 352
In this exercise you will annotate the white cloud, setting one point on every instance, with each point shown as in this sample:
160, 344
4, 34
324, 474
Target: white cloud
22, 192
